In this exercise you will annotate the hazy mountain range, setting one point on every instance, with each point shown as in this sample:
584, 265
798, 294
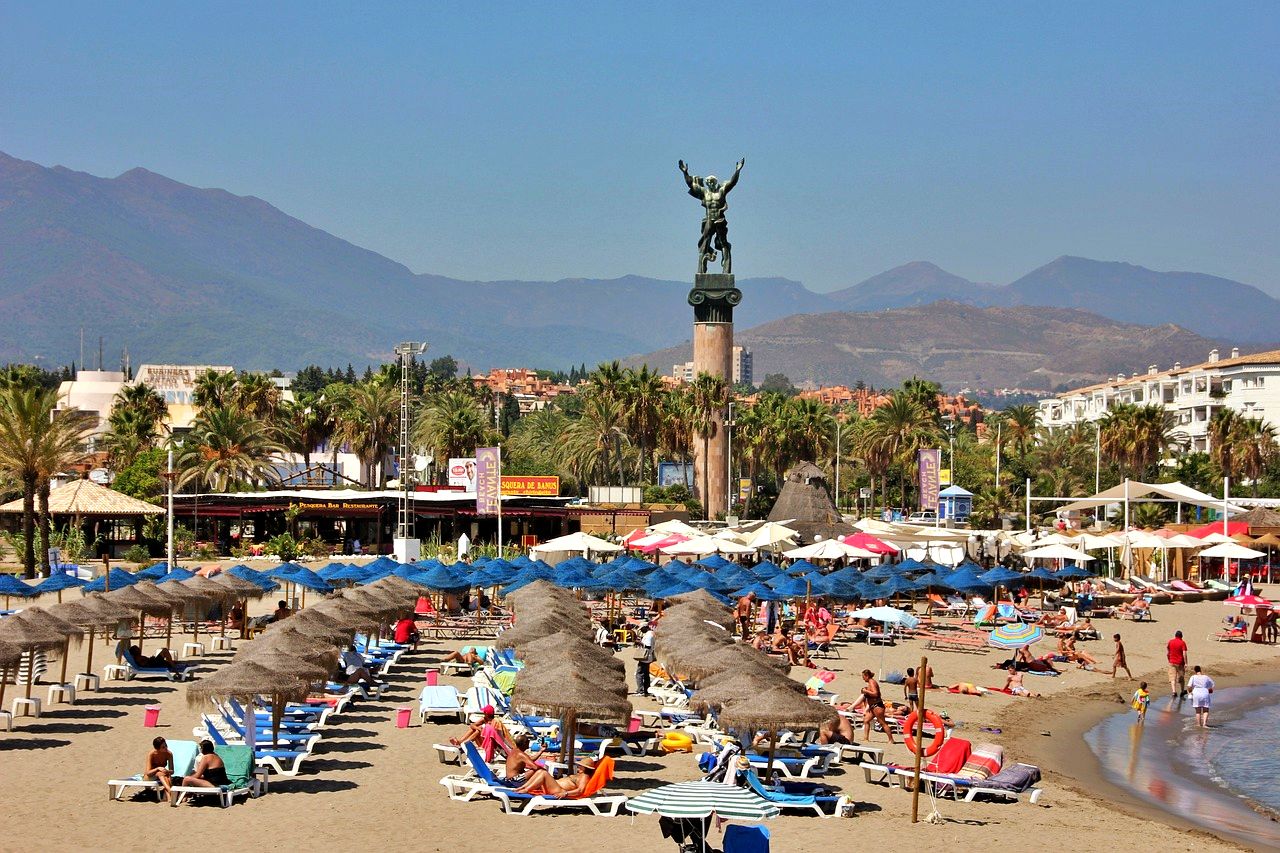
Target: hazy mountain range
182, 274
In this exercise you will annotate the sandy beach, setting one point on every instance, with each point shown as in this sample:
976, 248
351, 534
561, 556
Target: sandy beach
371, 783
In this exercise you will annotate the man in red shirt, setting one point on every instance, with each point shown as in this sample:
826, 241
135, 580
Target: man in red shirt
1177, 650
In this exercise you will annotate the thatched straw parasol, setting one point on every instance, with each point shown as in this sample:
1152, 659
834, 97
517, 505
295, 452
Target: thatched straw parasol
779, 708
565, 647
384, 603
702, 599
296, 666
312, 624
738, 686
239, 587
542, 625
245, 680
573, 693
29, 633
400, 589
71, 630
735, 658
292, 643
92, 612
773, 711
352, 614
541, 590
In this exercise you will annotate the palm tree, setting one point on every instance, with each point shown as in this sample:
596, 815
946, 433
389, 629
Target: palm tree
587, 442
35, 444
709, 395
1134, 437
810, 430
213, 388
675, 430
227, 449
1224, 429
534, 443
452, 424
899, 429
1020, 423
1256, 441
368, 422
302, 426
642, 393
136, 424
875, 455
257, 394
608, 380
62, 444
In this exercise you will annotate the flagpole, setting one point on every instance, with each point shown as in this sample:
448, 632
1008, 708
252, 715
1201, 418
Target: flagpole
499, 502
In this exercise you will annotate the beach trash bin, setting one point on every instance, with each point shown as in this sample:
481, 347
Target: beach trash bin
433, 677
150, 716
402, 717
634, 725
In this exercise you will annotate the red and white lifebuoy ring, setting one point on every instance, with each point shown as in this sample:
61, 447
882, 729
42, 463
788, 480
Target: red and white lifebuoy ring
939, 732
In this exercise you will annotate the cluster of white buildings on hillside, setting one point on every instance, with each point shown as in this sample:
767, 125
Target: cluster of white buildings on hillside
1249, 384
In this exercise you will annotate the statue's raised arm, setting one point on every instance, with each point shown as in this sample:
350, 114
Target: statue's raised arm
691, 181
733, 182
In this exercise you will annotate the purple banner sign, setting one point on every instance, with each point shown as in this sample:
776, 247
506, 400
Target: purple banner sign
929, 462
488, 479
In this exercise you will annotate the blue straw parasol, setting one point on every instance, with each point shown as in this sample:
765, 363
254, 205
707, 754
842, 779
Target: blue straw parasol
119, 578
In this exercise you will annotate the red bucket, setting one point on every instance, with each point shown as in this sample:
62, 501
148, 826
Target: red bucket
433, 677
150, 716
402, 717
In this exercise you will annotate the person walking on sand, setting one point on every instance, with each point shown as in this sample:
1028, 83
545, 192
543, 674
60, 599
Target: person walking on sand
1119, 662
1201, 687
1177, 653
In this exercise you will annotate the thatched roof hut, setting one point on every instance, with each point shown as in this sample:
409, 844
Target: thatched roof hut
806, 506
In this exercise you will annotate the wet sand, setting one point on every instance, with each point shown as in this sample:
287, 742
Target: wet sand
371, 783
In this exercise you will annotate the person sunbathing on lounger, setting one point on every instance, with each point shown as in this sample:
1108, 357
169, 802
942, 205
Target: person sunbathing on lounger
782, 643
540, 781
839, 730
487, 726
160, 766
520, 763
472, 655
210, 771
162, 659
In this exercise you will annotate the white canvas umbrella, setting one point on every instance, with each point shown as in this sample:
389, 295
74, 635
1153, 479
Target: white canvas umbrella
829, 549
1232, 551
579, 542
771, 533
675, 526
699, 546
1056, 552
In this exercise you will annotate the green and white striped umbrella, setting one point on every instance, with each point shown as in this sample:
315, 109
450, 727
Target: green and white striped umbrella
701, 799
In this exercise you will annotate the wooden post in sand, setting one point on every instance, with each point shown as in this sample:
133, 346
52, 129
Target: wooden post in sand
918, 734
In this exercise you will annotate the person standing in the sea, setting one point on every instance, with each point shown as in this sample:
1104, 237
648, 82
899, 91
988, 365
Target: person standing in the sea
1177, 652
1201, 687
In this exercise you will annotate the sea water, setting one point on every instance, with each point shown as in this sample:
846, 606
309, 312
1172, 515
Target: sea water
1223, 778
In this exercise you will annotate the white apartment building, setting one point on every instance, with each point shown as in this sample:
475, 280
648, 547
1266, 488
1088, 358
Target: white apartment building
743, 368
1249, 384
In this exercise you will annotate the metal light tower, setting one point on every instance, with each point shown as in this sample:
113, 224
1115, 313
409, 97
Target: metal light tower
406, 552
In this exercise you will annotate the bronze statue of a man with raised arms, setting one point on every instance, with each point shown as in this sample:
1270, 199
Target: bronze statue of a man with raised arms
715, 229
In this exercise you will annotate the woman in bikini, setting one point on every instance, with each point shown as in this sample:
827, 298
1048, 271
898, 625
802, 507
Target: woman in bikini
875, 707
210, 771
540, 781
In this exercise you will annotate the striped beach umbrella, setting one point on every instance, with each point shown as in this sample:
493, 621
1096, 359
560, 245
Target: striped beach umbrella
702, 799
1015, 636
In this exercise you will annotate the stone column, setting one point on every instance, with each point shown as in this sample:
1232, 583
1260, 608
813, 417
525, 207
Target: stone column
713, 297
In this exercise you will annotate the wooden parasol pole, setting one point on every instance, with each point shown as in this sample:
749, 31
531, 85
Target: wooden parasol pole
88, 666
918, 734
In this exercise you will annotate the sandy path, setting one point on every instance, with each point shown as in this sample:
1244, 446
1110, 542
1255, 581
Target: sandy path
371, 783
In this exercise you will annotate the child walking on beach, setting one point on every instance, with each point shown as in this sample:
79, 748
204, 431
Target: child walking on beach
1141, 699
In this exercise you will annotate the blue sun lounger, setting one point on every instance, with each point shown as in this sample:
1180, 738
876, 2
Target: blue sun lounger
820, 804
286, 762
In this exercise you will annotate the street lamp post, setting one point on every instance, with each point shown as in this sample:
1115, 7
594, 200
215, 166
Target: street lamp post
728, 474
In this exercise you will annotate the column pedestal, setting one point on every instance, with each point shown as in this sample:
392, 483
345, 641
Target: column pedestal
713, 297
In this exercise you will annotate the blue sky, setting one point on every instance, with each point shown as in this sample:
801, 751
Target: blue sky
540, 140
